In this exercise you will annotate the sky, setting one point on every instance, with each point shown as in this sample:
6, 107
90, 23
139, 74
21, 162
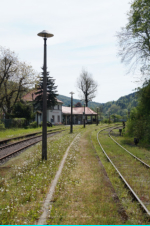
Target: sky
84, 38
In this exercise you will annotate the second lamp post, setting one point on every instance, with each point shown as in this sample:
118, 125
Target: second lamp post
71, 121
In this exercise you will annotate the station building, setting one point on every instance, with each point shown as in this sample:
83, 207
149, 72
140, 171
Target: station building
54, 115
62, 115
78, 113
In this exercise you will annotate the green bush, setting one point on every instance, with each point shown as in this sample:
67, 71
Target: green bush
2, 127
139, 128
106, 121
18, 122
33, 124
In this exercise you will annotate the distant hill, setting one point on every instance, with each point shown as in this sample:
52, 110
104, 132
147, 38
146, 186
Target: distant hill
120, 107
67, 101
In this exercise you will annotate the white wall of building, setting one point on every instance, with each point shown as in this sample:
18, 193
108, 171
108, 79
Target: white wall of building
54, 115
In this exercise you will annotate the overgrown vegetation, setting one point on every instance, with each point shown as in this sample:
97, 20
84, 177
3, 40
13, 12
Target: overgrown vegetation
139, 123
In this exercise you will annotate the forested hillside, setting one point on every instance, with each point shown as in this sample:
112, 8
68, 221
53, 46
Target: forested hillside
120, 107
67, 101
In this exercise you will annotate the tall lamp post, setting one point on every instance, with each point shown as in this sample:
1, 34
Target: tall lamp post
71, 127
44, 34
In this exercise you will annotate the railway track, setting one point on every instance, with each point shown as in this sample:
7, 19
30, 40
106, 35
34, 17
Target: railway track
5, 141
9, 150
145, 164
134, 174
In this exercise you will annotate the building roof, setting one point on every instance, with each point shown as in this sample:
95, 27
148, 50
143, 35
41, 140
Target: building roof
31, 96
77, 111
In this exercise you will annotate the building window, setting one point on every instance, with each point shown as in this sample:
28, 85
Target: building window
58, 107
53, 118
58, 118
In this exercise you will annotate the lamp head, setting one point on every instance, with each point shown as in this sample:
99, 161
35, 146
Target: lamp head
45, 34
71, 93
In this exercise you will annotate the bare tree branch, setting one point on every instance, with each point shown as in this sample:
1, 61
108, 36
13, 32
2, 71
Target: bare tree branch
86, 86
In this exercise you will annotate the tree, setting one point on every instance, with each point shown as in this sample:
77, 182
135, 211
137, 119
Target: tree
51, 94
87, 86
115, 117
139, 122
23, 110
134, 38
15, 79
78, 104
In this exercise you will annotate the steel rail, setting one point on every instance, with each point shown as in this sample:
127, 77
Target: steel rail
128, 151
25, 146
21, 141
123, 179
26, 135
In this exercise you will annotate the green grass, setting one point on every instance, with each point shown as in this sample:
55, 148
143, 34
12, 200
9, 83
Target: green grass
128, 142
10, 133
134, 212
82, 195
25, 180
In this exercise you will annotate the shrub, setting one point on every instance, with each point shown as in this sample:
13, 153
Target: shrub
106, 121
2, 127
18, 122
33, 124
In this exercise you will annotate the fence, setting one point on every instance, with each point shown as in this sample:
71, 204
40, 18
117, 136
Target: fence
14, 123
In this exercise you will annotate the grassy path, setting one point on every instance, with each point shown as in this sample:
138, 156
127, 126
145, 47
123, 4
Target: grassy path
83, 194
